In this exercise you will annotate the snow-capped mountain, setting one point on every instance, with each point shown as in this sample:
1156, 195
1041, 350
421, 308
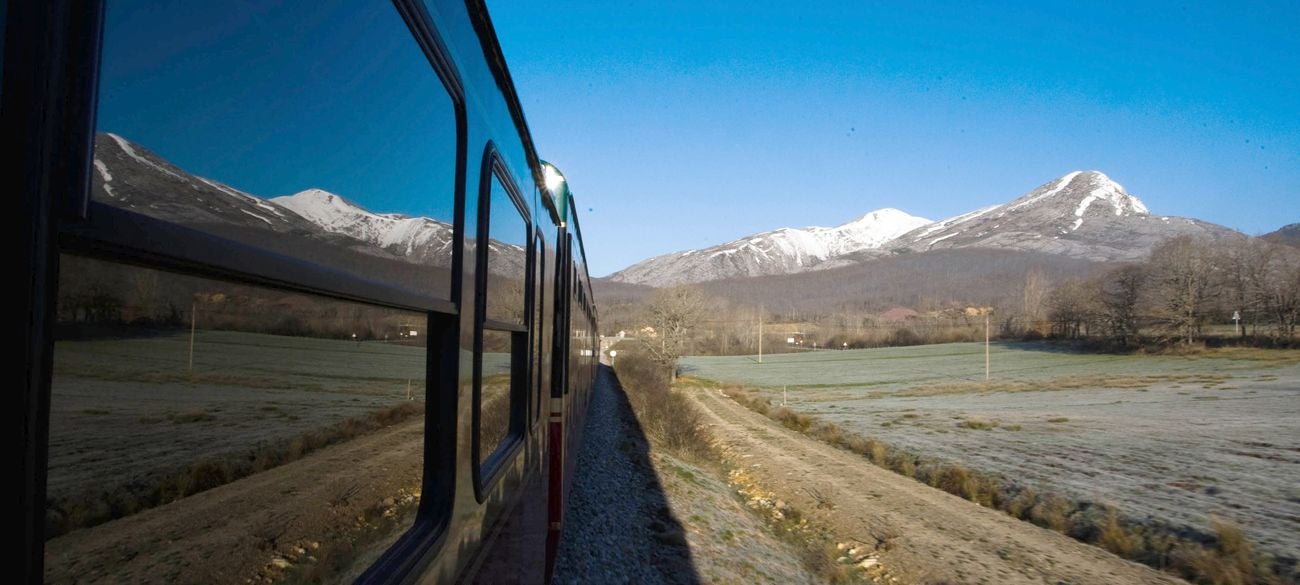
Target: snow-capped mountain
1083, 214
312, 225
419, 239
781, 251
131, 177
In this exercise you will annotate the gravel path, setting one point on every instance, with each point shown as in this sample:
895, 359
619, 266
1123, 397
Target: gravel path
619, 528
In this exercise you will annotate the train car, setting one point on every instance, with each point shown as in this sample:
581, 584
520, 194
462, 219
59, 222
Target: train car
302, 302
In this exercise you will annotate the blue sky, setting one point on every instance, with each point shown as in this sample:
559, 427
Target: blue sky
275, 98
687, 124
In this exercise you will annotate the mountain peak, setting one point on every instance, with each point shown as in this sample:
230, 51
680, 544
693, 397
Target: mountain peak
322, 207
1074, 193
317, 196
885, 214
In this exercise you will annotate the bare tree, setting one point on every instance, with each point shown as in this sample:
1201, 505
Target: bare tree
1035, 294
1244, 262
1184, 271
673, 315
1274, 287
1070, 306
1121, 290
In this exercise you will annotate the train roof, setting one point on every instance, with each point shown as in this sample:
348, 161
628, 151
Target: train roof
496, 61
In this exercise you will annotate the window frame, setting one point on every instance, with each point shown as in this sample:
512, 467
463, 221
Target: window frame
58, 178
487, 471
537, 355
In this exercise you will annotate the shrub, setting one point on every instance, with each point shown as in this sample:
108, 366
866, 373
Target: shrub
667, 418
1021, 503
1052, 511
957, 480
903, 464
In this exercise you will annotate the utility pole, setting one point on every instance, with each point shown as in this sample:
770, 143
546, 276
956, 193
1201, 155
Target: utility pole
760, 335
986, 345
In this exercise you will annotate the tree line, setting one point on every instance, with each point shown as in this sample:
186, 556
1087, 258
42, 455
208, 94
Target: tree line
1184, 285
1182, 288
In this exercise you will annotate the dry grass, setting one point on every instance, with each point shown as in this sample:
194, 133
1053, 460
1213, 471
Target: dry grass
192, 417
666, 416
978, 424
672, 422
1095, 382
1222, 557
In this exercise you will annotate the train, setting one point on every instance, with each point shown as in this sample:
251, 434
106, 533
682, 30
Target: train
302, 302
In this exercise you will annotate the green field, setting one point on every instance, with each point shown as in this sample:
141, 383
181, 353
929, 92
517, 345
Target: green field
1175, 438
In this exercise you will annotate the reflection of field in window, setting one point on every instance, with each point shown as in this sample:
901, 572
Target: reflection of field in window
252, 412
494, 420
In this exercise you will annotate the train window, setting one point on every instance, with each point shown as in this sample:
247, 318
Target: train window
503, 278
204, 430
507, 258
317, 131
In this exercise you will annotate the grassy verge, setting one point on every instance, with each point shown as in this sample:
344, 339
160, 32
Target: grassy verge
99, 505
672, 423
1220, 556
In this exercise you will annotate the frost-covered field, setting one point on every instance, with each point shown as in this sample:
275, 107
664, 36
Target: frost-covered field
126, 409
1175, 438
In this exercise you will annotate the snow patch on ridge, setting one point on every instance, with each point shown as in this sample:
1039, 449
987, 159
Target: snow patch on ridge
126, 147
108, 177
947, 223
268, 222
1065, 181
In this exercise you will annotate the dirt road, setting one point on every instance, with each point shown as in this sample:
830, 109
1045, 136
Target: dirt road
926, 535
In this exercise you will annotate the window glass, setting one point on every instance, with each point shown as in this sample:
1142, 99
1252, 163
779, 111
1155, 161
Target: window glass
507, 258
496, 396
206, 431
503, 376
318, 130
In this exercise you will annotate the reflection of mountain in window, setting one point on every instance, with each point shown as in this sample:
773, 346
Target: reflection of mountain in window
322, 110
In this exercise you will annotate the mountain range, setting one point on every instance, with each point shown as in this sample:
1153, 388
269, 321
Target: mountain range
1082, 215
782, 251
1287, 234
313, 224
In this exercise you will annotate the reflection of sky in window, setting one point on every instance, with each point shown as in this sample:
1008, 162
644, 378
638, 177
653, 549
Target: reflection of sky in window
276, 99
505, 223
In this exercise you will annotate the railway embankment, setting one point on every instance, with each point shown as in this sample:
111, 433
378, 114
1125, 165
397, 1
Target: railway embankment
652, 504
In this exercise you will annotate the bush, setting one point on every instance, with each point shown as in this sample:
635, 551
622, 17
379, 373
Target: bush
1021, 503
667, 418
1052, 512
